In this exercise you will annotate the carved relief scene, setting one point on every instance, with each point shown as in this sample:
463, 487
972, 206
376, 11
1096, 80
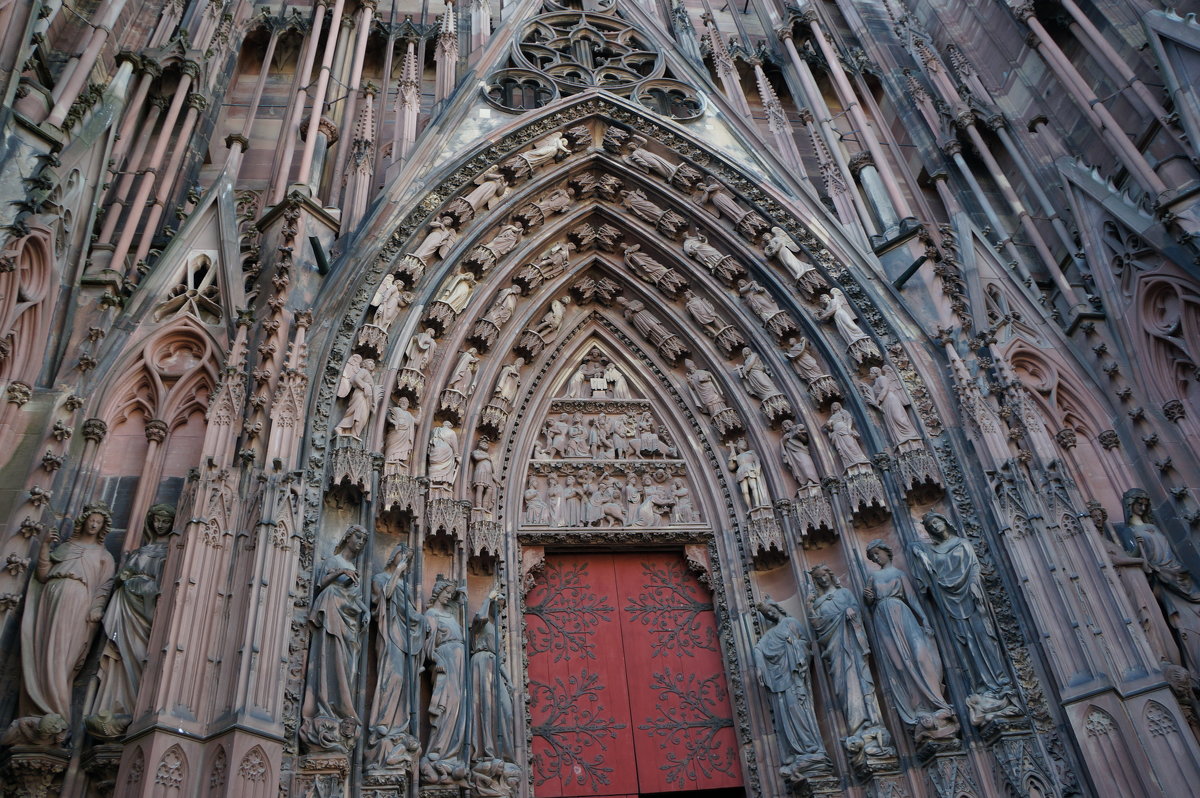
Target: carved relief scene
593, 398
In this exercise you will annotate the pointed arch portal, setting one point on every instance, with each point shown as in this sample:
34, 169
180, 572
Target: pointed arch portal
604, 341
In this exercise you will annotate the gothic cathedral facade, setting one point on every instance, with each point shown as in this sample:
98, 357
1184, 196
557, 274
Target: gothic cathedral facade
617, 398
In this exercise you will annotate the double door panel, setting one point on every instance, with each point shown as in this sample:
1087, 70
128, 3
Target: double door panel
626, 679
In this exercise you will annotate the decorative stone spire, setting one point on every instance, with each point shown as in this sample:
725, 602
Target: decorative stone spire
409, 105
446, 54
777, 119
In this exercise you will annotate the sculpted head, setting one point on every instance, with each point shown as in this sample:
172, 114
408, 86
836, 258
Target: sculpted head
879, 553
160, 519
354, 541
770, 610
938, 526
823, 577
1136, 501
94, 522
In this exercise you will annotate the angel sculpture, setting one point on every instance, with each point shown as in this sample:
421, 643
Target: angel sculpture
387, 302
358, 384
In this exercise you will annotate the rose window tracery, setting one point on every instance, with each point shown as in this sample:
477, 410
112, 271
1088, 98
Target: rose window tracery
575, 48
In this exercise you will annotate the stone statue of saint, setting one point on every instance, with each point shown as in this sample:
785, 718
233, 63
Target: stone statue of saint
483, 475
553, 147
445, 651
758, 299
400, 635
441, 236
462, 377
796, 454
398, 443
948, 570
65, 600
491, 186
747, 470
837, 624
704, 313
443, 455
845, 438
645, 322
457, 291
755, 378
646, 161
506, 239
712, 191
886, 394
336, 621
127, 626
503, 306
705, 388
641, 206
358, 385
1176, 590
547, 329
509, 381
782, 659
906, 649
800, 353
837, 309
420, 350
698, 249
780, 246
492, 712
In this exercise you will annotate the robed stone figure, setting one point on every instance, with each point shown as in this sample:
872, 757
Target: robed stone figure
127, 626
1176, 590
336, 621
70, 586
906, 650
493, 752
838, 626
400, 632
948, 570
445, 652
782, 657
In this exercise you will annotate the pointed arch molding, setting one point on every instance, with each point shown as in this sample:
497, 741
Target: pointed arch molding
347, 294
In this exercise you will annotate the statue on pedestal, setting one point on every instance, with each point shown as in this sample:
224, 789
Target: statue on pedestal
127, 626
782, 659
400, 634
336, 619
445, 650
65, 600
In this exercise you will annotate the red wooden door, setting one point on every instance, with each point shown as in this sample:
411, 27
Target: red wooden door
627, 683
